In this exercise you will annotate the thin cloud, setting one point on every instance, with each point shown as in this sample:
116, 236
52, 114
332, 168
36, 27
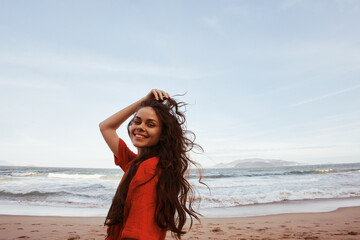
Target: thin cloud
93, 64
290, 4
315, 99
31, 82
212, 22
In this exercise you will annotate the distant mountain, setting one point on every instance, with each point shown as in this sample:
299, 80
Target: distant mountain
255, 163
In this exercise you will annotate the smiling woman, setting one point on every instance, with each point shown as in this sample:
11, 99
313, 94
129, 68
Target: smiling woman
154, 195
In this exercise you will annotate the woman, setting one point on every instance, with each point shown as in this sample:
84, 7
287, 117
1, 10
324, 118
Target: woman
153, 196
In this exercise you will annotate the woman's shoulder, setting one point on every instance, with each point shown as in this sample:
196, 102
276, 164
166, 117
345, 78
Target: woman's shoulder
149, 163
148, 167
146, 171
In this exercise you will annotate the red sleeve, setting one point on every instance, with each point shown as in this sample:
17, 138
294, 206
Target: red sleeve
140, 223
125, 156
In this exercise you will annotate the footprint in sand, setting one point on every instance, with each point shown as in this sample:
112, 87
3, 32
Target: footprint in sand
260, 229
311, 238
35, 231
74, 238
217, 229
24, 237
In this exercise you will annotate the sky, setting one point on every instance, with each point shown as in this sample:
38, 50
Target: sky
263, 79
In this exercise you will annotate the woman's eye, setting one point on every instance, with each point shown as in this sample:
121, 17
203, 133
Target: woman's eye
137, 122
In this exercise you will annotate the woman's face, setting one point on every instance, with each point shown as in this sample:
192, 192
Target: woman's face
145, 131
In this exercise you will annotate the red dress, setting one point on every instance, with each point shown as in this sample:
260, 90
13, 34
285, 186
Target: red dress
140, 222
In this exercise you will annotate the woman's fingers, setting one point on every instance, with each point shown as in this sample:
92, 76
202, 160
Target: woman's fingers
160, 94
154, 92
164, 95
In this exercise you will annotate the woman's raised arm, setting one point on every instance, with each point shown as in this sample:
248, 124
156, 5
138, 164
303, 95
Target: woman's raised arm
109, 126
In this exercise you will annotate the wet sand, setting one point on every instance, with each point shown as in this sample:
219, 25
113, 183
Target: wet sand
343, 224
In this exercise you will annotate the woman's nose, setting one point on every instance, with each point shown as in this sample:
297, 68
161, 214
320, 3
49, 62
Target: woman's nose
140, 126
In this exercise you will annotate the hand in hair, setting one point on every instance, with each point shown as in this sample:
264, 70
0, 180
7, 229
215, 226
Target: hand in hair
157, 94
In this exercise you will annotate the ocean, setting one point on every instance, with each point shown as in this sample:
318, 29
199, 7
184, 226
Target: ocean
89, 191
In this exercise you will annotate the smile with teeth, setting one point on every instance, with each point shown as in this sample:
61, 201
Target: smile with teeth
139, 136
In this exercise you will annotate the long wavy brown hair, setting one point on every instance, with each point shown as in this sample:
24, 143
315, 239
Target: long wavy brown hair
175, 195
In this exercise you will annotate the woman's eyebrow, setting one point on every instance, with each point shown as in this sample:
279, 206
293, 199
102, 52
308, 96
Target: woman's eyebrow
148, 120
151, 120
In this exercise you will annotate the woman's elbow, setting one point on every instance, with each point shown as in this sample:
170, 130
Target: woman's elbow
102, 126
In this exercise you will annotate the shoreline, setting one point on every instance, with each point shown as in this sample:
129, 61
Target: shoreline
342, 223
261, 209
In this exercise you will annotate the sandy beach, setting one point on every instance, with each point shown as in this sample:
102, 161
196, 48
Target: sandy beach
343, 223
